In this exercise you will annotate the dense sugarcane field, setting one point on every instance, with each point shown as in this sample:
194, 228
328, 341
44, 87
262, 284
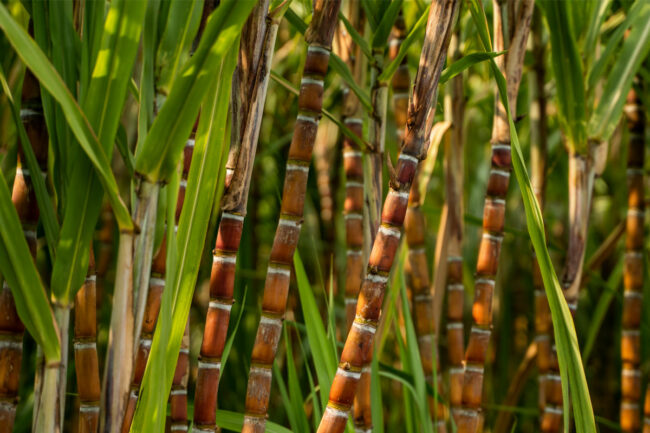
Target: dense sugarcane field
324, 216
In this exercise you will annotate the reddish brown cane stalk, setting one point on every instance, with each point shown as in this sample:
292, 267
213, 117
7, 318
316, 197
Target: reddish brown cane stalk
470, 418
454, 172
24, 200
85, 351
357, 351
319, 38
633, 270
646, 411
356, 225
251, 81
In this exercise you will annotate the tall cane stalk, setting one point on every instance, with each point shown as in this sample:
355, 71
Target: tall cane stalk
24, 199
85, 351
357, 351
319, 37
251, 82
538, 137
157, 284
633, 271
454, 174
415, 231
470, 419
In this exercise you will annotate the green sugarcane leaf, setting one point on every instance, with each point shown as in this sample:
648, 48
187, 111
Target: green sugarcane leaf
593, 31
356, 37
102, 101
21, 275
568, 70
414, 35
45, 207
324, 358
147, 80
464, 63
228, 346
156, 159
336, 63
381, 33
284, 395
300, 417
414, 360
235, 421
595, 74
571, 368
206, 177
635, 50
376, 407
173, 51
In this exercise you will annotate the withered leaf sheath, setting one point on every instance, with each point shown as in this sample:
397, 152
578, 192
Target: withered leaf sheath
250, 84
310, 100
24, 200
154, 299
633, 270
470, 418
85, 351
358, 346
415, 231
455, 290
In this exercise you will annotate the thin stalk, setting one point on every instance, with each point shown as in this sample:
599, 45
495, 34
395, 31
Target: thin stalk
377, 137
85, 352
250, 84
633, 271
454, 174
319, 37
470, 419
119, 355
145, 217
538, 136
357, 225
24, 199
357, 351
415, 230
156, 285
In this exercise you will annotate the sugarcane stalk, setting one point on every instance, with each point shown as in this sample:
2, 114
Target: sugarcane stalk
156, 285
119, 355
646, 411
357, 351
85, 351
24, 200
154, 299
415, 230
538, 136
470, 417
252, 77
145, 217
454, 173
319, 37
630, 412
357, 229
